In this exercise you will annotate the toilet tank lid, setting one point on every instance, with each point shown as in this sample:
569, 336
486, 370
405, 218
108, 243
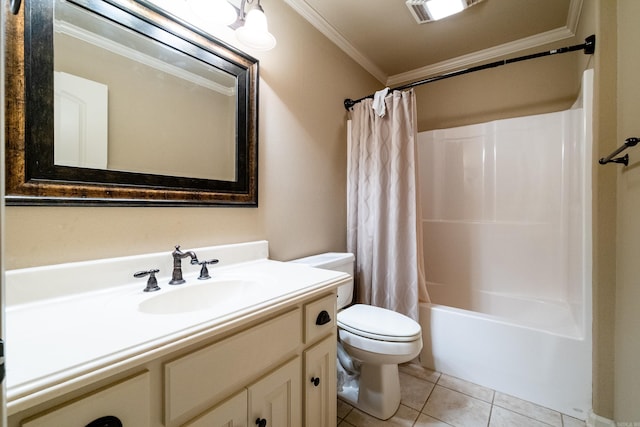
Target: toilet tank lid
326, 260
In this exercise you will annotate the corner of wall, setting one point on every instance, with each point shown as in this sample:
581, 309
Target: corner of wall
604, 209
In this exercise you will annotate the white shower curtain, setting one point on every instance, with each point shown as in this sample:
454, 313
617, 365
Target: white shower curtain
383, 211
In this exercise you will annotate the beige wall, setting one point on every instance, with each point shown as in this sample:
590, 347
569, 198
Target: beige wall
302, 171
627, 291
513, 90
616, 208
604, 211
531, 87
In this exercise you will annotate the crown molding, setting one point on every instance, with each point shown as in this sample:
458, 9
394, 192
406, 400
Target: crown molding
573, 17
314, 18
471, 59
558, 34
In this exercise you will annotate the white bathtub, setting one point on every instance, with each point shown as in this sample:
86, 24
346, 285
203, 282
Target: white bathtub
507, 248
543, 367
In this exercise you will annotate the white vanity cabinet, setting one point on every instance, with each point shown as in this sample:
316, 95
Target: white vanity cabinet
320, 384
277, 370
278, 398
230, 413
320, 375
274, 400
197, 380
128, 401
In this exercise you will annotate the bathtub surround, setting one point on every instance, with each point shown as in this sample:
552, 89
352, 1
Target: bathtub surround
383, 225
507, 220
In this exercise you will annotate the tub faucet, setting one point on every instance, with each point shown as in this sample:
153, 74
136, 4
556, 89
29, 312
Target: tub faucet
176, 277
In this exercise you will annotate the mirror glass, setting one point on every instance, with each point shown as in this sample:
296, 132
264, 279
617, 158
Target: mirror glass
105, 74
126, 104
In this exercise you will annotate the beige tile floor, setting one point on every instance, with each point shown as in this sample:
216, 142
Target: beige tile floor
430, 399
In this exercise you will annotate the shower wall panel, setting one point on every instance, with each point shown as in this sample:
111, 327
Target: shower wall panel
502, 206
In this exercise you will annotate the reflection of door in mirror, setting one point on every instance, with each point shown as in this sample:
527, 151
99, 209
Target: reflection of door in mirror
80, 121
168, 113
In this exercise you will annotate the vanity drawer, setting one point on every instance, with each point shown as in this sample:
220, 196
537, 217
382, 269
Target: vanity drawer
129, 401
319, 318
200, 379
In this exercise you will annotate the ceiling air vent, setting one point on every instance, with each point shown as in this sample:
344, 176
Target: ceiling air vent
433, 10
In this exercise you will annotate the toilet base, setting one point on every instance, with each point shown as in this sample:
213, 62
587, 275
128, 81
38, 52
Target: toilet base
378, 392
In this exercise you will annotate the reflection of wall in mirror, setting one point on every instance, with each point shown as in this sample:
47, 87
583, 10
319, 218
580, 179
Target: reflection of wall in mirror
158, 123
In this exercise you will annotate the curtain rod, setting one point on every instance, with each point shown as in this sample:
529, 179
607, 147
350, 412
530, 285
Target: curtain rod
588, 46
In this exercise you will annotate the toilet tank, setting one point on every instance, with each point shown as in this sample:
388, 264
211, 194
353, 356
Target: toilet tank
338, 261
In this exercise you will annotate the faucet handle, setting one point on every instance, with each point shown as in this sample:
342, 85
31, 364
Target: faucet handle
204, 271
152, 283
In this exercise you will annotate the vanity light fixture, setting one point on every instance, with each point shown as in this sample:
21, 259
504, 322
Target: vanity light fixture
249, 20
254, 31
433, 10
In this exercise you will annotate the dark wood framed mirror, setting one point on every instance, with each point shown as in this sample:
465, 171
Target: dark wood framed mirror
173, 121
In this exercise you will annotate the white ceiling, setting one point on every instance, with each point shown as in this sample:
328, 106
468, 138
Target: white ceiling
383, 37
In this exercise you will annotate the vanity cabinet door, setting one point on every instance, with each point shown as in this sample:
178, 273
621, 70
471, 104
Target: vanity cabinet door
203, 378
320, 384
275, 400
230, 413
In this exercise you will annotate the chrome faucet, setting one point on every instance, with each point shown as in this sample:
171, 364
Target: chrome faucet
176, 277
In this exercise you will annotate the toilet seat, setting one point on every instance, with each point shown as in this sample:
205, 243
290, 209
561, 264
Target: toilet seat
378, 323
379, 351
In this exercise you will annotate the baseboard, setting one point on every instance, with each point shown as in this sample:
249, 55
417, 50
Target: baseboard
594, 420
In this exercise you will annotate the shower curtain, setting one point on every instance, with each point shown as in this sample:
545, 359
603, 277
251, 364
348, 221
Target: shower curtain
383, 211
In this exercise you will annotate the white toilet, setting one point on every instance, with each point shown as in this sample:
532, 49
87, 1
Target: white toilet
378, 338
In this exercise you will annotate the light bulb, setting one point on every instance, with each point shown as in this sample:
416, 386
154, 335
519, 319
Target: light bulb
255, 31
439, 9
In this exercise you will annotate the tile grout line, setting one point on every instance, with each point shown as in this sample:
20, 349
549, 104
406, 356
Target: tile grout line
491, 402
532, 418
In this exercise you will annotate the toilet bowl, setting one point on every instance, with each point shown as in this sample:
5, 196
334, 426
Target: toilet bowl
377, 338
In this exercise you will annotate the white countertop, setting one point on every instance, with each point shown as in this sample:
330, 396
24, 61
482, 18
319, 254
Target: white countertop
52, 341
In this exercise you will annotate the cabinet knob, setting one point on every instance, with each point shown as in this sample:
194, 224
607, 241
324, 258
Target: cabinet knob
261, 422
323, 318
315, 381
108, 421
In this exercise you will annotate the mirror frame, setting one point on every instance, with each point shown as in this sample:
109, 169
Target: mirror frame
31, 176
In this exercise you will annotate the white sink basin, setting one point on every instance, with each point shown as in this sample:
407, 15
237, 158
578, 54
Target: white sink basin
247, 284
202, 296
